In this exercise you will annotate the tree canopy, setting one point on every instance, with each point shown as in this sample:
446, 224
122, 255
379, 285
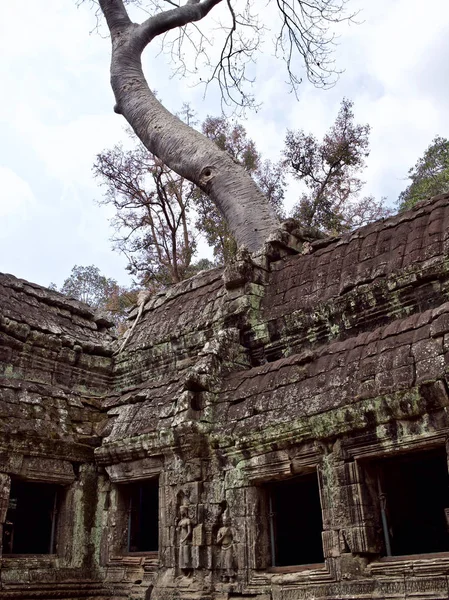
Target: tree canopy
88, 285
152, 213
331, 172
429, 176
159, 215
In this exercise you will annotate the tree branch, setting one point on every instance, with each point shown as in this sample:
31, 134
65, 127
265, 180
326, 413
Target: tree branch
170, 19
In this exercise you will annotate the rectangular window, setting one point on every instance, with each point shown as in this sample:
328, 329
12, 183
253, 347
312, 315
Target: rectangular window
413, 500
143, 521
30, 526
295, 522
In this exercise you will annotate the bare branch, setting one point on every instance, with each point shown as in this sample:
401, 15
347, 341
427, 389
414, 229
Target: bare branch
152, 218
306, 30
171, 19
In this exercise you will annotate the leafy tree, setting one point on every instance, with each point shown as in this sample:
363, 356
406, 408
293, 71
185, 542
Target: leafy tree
203, 264
330, 170
152, 213
88, 285
430, 175
305, 29
121, 300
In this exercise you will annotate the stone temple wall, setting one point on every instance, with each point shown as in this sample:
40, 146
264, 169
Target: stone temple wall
290, 414
55, 368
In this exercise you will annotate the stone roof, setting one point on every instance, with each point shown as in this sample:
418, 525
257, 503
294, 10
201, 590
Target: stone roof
175, 325
357, 329
371, 365
345, 320
379, 250
359, 281
355, 318
34, 307
55, 362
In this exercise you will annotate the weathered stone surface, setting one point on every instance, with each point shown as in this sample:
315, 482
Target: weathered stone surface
323, 362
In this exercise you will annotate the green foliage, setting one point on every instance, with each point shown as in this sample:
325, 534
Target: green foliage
160, 214
88, 285
430, 175
155, 208
118, 304
330, 170
234, 140
203, 264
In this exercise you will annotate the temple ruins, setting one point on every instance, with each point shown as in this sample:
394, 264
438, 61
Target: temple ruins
274, 430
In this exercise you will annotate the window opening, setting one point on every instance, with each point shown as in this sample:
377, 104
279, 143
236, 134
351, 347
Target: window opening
413, 497
295, 522
143, 522
30, 526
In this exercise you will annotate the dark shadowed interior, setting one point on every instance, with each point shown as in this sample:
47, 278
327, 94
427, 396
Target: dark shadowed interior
416, 496
31, 518
297, 523
143, 517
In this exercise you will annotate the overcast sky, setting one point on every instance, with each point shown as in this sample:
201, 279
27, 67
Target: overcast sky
56, 115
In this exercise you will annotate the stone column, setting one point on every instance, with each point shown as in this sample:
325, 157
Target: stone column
5, 487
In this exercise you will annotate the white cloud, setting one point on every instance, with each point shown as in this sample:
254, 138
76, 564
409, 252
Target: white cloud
68, 149
17, 199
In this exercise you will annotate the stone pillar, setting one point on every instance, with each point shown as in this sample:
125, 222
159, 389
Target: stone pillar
351, 531
5, 487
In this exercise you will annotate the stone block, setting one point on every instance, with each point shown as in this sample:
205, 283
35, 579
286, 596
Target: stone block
429, 369
352, 567
426, 349
435, 394
364, 540
198, 535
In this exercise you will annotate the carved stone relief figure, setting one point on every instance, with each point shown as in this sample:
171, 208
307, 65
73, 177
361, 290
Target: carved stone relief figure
185, 528
225, 540
5, 485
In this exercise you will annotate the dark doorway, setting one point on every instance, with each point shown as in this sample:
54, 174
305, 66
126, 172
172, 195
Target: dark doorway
295, 522
143, 527
30, 526
414, 494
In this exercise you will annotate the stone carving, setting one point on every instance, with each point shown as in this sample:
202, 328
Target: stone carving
225, 540
185, 528
5, 485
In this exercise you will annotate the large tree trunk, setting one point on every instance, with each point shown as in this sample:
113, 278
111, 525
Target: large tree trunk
186, 151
